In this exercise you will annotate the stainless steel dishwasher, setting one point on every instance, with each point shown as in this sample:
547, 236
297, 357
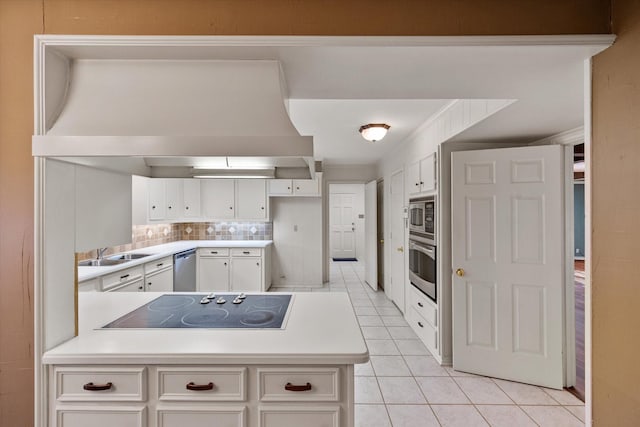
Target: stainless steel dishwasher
184, 271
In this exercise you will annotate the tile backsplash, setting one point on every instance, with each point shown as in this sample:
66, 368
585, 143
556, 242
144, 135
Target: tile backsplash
143, 236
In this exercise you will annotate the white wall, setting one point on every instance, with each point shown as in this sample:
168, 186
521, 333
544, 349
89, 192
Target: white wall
297, 241
358, 210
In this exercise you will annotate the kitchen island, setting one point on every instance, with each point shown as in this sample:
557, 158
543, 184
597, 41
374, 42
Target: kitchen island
300, 375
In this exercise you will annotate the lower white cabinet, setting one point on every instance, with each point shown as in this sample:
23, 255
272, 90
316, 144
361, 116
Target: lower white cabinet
201, 396
160, 281
422, 316
233, 269
132, 286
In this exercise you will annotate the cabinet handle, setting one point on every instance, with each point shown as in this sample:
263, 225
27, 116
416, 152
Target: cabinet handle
160, 265
420, 304
169, 207
288, 188
153, 207
199, 387
262, 207
149, 284
230, 207
291, 387
297, 188
421, 183
214, 252
258, 264
124, 277
140, 288
186, 207
246, 252
97, 387
420, 324
417, 184
225, 263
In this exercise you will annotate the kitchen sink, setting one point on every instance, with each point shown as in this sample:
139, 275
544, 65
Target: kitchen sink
104, 262
112, 260
128, 257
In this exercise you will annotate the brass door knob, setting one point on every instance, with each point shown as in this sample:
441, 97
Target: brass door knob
460, 272
400, 249
381, 241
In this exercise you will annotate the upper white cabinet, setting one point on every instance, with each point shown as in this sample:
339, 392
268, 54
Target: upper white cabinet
251, 200
173, 199
103, 208
218, 198
294, 187
422, 175
191, 198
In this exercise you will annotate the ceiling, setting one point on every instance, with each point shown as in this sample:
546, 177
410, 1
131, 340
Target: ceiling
337, 84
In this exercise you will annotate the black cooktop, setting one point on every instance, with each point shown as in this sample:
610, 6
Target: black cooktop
222, 310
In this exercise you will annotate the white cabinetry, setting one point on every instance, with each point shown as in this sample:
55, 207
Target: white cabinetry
233, 269
213, 269
158, 275
294, 187
129, 280
422, 316
103, 208
251, 199
422, 175
218, 198
202, 396
173, 199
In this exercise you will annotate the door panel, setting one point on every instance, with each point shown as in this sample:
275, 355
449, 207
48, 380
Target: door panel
342, 225
507, 254
395, 290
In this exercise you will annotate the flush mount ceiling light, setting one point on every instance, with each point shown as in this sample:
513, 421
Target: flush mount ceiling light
374, 131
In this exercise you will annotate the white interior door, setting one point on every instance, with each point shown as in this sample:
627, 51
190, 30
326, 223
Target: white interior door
371, 235
508, 259
342, 224
395, 289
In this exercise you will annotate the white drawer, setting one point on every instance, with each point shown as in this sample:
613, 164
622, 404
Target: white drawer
121, 277
424, 306
104, 416
202, 384
157, 265
190, 416
301, 384
84, 383
212, 252
246, 252
425, 331
300, 416
92, 285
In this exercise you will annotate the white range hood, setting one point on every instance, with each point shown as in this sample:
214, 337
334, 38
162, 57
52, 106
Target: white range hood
169, 113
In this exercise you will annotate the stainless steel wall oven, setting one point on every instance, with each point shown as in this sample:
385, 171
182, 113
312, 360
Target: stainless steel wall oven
423, 265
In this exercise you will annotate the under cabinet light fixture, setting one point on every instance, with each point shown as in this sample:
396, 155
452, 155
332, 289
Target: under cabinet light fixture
374, 131
233, 173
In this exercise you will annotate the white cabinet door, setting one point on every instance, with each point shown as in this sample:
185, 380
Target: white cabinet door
160, 282
191, 198
139, 200
428, 173
213, 274
280, 187
191, 416
218, 198
306, 187
173, 188
101, 416
251, 200
103, 209
157, 199
246, 274
413, 178
296, 416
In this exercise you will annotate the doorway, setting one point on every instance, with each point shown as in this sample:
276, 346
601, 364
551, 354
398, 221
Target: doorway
579, 266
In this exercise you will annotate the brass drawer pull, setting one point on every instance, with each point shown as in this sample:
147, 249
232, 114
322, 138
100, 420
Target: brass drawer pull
199, 387
97, 387
291, 387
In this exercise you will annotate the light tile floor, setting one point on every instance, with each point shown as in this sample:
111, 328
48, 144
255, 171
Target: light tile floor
403, 385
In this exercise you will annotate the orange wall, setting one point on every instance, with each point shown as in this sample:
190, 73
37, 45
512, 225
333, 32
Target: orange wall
616, 223
20, 19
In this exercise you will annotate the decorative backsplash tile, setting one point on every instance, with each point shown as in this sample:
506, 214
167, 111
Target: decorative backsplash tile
143, 236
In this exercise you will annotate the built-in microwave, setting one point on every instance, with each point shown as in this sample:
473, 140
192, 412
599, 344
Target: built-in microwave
422, 217
423, 265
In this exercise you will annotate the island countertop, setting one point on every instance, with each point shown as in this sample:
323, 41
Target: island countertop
321, 328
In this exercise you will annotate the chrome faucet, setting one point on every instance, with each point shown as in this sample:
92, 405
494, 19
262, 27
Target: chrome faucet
100, 252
